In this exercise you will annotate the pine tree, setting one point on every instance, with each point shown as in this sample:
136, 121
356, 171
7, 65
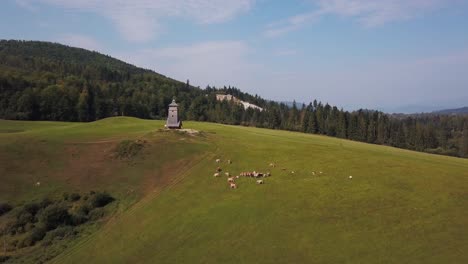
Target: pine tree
312, 126
83, 107
341, 127
464, 143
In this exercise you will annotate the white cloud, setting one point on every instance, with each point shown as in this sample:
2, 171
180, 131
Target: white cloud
213, 62
141, 20
291, 24
369, 13
80, 41
375, 13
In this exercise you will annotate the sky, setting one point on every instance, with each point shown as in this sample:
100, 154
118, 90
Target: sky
390, 55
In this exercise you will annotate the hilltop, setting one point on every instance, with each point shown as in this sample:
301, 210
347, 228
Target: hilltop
170, 209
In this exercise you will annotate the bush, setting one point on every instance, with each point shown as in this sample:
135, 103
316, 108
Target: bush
78, 219
31, 208
4, 258
83, 209
5, 208
96, 214
23, 218
36, 235
128, 149
59, 233
74, 197
54, 216
100, 199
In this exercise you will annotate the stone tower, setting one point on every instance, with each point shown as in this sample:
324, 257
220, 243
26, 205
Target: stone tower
173, 121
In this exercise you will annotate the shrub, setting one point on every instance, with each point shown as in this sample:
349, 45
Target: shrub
83, 209
54, 216
78, 219
128, 149
74, 197
100, 199
36, 235
59, 233
22, 219
5, 208
4, 258
96, 214
31, 208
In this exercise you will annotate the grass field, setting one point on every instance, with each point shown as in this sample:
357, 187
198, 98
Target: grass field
399, 207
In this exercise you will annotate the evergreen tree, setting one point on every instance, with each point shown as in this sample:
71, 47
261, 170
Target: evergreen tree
83, 106
464, 141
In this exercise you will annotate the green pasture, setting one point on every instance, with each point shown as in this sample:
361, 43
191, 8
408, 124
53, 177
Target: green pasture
399, 207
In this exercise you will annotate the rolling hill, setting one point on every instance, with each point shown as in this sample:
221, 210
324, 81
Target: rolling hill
399, 206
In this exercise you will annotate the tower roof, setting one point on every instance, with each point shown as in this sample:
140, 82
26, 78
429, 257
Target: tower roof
173, 103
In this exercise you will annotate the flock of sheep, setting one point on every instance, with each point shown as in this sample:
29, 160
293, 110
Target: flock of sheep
232, 180
254, 174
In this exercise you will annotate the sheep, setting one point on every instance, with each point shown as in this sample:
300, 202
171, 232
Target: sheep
313, 173
272, 165
219, 169
38, 183
350, 177
216, 175
230, 179
229, 161
218, 160
292, 172
227, 174
257, 174
259, 181
233, 186
237, 177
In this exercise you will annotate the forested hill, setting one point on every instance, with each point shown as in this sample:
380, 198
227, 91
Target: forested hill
49, 81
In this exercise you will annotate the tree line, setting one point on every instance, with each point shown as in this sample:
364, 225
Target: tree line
47, 81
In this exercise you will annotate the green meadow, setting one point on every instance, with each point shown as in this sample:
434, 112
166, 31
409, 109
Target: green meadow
399, 207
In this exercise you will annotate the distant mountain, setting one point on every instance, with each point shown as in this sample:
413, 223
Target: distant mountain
456, 111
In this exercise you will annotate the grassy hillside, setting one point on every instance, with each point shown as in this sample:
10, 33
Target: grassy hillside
400, 206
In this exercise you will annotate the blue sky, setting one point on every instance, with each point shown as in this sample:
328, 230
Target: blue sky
392, 55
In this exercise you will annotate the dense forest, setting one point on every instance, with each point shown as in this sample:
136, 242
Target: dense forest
48, 81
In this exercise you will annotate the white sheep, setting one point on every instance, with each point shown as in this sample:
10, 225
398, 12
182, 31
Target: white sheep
218, 160
350, 177
216, 175
227, 174
233, 186
259, 181
230, 179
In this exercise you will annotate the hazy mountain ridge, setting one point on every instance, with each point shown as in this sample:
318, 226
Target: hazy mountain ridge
455, 111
